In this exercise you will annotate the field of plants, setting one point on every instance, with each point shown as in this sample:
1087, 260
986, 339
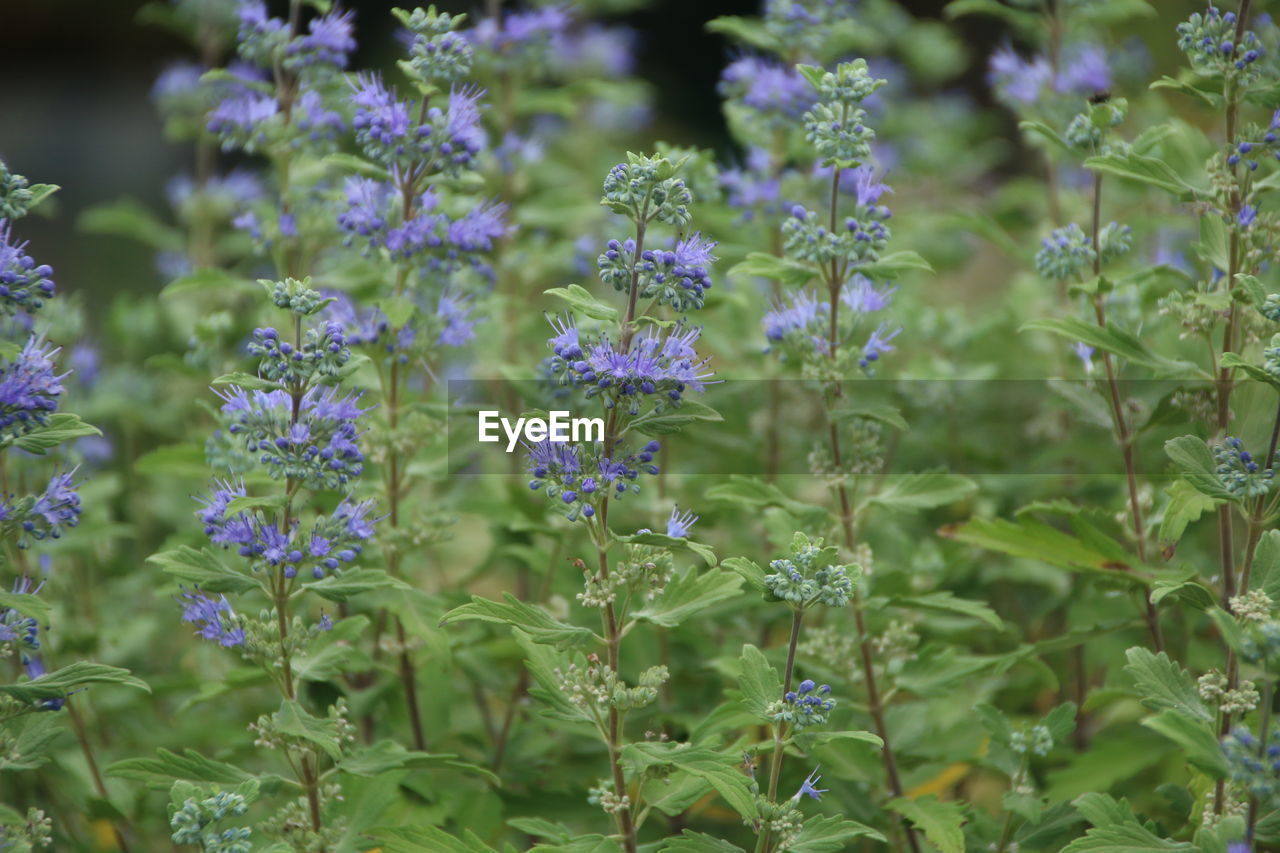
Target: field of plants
924, 494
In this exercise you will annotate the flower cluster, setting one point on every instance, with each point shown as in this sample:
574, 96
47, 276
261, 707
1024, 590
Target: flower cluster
1209, 40
1065, 253
1239, 472
583, 477
320, 357
213, 618
1020, 80
1249, 766
645, 188
677, 277
24, 284
438, 54
776, 94
390, 133
18, 632
810, 575
29, 389
370, 214
334, 539
807, 705
654, 365
34, 518
835, 124
319, 449
520, 39
1038, 740
193, 823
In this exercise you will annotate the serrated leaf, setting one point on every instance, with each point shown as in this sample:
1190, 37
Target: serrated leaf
672, 420
167, 766
717, 770
1113, 339
689, 594
830, 833
673, 543
247, 381
1196, 737
948, 603
57, 429
774, 268
1194, 462
758, 680
352, 582
202, 568
581, 301
294, 720
1165, 685
1144, 169
63, 682
940, 822
537, 623
921, 491
696, 842
1186, 504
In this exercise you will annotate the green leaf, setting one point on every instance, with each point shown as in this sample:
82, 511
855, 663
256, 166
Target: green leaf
581, 301
1186, 504
758, 680
1113, 339
948, 603
61, 682
252, 503
765, 265
296, 721
1253, 371
1144, 169
1023, 19
750, 31
386, 756
1195, 463
419, 838
1165, 685
894, 265
1192, 592
1043, 130
1196, 87
748, 570
830, 833
59, 428
352, 582
210, 280
673, 543
671, 420
756, 494
719, 771
1033, 539
28, 604
167, 766
540, 625
40, 193
359, 166
1116, 829
940, 822
1196, 737
689, 594
1266, 565
128, 218
879, 412
922, 491
247, 381
202, 568
696, 842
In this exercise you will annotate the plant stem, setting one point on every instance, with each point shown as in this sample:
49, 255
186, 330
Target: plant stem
866, 653
86, 747
1121, 423
779, 731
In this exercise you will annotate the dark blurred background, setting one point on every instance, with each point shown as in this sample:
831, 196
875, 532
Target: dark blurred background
76, 110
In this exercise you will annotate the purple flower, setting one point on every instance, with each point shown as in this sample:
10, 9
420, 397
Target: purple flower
1083, 71
455, 313
180, 80
241, 118
802, 313
329, 41
29, 388
809, 788
768, 87
862, 295
679, 525
56, 509
213, 616
1017, 78
866, 187
1247, 215
478, 228
519, 31
877, 345
24, 284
